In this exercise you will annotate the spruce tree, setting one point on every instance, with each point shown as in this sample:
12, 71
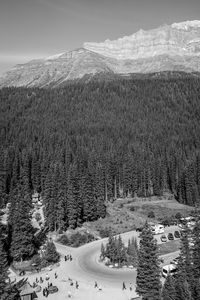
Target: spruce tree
73, 196
22, 244
132, 252
196, 250
148, 283
3, 265
88, 199
49, 201
168, 290
51, 255
182, 289
185, 266
103, 252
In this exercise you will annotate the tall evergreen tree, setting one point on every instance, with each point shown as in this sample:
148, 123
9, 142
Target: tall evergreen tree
51, 255
22, 245
182, 289
3, 265
168, 290
196, 250
148, 283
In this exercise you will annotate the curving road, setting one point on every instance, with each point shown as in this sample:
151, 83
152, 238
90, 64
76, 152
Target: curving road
86, 266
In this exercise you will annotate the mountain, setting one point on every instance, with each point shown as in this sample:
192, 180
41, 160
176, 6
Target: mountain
173, 47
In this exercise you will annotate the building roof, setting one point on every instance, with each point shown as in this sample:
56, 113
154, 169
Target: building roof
26, 289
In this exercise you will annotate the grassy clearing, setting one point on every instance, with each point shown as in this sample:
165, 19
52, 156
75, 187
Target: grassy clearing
169, 247
127, 214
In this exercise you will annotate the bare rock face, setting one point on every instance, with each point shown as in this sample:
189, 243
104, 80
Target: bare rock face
177, 39
167, 48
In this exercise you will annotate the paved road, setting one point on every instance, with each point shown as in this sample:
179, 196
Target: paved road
86, 265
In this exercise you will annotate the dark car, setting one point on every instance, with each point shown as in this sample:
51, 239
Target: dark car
170, 236
52, 289
139, 229
163, 238
177, 234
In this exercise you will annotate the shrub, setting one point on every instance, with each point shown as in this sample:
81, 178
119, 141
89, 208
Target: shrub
178, 215
105, 232
63, 239
132, 208
36, 260
151, 215
76, 239
38, 217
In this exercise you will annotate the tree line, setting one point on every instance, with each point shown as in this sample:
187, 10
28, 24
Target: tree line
85, 144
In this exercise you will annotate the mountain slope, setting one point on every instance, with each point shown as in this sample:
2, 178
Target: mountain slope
167, 48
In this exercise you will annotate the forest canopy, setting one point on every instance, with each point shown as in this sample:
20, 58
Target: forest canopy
91, 142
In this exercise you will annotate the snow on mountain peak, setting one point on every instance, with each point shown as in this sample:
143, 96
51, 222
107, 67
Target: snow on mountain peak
52, 57
186, 25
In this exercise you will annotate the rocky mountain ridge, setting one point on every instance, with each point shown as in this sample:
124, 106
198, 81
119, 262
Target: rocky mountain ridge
173, 47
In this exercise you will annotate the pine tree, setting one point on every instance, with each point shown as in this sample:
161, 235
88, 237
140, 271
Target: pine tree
148, 271
3, 265
103, 252
120, 255
168, 290
49, 201
73, 196
185, 267
196, 250
22, 245
132, 251
51, 255
88, 199
110, 248
182, 289
99, 191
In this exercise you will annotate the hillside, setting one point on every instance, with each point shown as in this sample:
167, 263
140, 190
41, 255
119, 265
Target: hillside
93, 142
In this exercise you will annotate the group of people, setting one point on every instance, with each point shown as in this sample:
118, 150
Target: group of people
35, 283
97, 286
72, 283
45, 292
68, 257
124, 286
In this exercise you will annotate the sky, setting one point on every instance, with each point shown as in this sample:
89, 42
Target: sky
31, 29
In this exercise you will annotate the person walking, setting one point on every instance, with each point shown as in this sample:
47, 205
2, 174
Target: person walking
131, 288
123, 286
95, 285
77, 285
69, 294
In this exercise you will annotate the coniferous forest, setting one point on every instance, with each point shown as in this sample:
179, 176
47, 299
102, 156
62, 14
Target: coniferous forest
85, 144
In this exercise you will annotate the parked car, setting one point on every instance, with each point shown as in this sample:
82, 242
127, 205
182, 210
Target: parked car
174, 261
177, 234
52, 289
139, 229
163, 238
170, 236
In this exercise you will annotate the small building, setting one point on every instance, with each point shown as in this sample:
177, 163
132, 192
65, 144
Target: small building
27, 292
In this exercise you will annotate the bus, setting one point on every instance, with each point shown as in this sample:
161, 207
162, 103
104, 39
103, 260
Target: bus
169, 269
